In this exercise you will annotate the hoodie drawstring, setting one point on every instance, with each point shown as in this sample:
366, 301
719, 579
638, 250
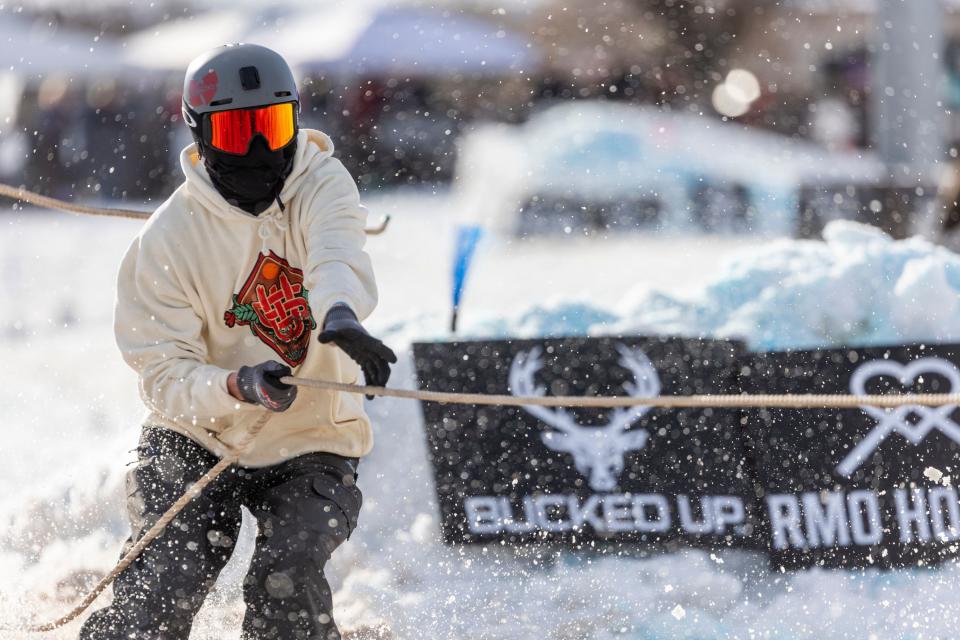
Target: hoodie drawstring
276, 219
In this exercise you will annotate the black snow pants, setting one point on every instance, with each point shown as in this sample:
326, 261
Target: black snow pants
305, 508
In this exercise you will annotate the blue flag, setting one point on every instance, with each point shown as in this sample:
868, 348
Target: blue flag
467, 238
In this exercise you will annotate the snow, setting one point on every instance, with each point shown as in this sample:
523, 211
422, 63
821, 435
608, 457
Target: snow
932, 473
859, 287
72, 415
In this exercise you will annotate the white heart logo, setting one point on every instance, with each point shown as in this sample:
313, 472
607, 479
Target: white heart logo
895, 420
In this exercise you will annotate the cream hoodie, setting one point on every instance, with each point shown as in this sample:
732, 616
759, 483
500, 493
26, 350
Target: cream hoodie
206, 288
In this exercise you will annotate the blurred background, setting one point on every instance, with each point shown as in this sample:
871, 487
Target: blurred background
550, 116
607, 167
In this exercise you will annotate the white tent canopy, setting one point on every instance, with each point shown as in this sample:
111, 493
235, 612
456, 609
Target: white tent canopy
400, 40
337, 38
34, 48
173, 44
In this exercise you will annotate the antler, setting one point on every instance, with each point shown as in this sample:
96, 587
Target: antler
646, 384
524, 367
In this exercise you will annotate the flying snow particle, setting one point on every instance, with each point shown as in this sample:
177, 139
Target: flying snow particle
932, 473
678, 612
279, 585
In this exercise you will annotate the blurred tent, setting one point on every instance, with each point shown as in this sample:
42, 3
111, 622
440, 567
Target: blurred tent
173, 44
32, 48
358, 41
40, 62
359, 38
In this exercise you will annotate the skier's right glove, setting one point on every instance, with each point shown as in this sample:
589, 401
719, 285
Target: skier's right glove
261, 385
342, 328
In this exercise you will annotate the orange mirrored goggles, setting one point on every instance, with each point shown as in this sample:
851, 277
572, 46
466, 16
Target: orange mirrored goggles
231, 131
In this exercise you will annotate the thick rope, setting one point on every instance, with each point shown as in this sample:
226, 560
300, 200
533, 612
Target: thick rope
18, 193
729, 401
156, 530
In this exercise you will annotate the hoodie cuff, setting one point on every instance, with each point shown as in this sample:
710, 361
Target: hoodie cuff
327, 305
217, 383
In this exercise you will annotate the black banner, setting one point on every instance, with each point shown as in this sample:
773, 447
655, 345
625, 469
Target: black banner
587, 476
848, 488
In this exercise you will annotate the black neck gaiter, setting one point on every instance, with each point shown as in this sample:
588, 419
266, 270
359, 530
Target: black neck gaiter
252, 181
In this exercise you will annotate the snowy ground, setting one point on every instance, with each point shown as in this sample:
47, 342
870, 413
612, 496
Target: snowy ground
71, 415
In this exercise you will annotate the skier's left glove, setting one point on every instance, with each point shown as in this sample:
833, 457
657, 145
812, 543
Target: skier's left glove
342, 328
261, 385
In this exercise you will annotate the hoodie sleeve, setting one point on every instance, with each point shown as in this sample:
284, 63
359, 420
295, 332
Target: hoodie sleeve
337, 269
159, 335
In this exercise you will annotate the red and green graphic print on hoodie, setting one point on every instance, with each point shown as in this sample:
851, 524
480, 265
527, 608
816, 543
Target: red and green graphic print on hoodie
273, 303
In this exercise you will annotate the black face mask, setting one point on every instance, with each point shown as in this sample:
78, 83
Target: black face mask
252, 181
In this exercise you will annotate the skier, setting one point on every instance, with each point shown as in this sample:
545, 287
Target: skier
217, 299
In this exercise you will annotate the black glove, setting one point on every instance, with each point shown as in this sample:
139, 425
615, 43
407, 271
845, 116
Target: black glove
261, 385
342, 328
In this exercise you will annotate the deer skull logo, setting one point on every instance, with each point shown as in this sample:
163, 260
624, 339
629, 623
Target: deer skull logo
598, 450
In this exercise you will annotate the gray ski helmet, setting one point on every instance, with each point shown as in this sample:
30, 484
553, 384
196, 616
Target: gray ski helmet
235, 76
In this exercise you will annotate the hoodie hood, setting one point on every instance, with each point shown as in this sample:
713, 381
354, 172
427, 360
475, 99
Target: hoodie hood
312, 146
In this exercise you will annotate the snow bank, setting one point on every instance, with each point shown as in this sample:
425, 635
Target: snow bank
857, 287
